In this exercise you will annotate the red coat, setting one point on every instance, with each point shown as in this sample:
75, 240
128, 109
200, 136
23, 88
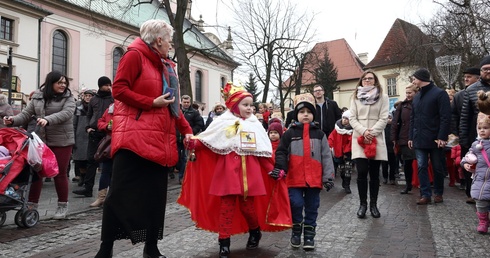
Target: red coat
341, 143
103, 122
137, 126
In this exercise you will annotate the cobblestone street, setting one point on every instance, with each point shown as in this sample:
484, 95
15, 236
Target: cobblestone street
404, 230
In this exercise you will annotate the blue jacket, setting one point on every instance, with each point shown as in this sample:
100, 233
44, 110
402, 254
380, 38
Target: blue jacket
431, 117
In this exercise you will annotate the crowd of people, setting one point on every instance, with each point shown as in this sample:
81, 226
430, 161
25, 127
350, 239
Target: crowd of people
251, 171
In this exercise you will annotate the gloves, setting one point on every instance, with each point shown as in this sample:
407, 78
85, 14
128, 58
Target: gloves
328, 185
277, 174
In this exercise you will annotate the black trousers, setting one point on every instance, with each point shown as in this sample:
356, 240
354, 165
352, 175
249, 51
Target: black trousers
367, 167
94, 138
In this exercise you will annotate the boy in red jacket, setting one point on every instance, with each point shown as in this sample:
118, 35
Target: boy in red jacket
304, 155
340, 140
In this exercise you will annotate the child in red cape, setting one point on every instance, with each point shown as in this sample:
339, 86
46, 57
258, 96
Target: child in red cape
229, 173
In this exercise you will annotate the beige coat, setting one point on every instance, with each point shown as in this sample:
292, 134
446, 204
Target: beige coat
364, 117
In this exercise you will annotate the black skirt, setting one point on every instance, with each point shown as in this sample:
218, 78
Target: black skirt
135, 205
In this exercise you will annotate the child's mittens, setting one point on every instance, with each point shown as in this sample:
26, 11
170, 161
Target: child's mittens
277, 174
328, 185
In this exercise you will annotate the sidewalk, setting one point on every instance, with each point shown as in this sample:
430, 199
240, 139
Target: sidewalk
76, 203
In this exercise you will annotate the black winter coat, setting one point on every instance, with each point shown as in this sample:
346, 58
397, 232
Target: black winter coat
469, 113
431, 117
400, 125
331, 113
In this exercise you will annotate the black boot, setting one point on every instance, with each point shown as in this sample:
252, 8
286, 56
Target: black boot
374, 210
254, 238
296, 235
151, 251
309, 235
373, 197
105, 250
361, 213
224, 248
83, 191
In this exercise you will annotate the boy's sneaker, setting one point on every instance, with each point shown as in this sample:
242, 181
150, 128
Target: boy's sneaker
61, 211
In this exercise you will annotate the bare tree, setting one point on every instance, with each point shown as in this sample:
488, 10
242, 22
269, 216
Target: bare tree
265, 30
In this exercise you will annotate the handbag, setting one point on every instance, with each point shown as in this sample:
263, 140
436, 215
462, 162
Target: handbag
103, 152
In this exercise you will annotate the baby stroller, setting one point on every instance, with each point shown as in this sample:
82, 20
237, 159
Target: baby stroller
16, 177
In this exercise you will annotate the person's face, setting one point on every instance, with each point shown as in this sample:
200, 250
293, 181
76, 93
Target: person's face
484, 130
186, 103
470, 79
60, 85
318, 92
305, 116
261, 109
409, 93
390, 119
485, 73
345, 121
368, 80
219, 109
87, 97
274, 136
106, 87
245, 107
253, 110
164, 44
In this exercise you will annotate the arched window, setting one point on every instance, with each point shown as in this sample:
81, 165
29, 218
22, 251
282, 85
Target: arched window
199, 86
116, 57
60, 52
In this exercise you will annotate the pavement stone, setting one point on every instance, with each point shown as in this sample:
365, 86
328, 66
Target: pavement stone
405, 229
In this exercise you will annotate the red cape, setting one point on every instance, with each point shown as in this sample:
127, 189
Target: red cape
273, 209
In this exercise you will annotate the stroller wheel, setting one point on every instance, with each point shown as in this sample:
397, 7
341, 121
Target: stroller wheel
18, 219
30, 218
3, 217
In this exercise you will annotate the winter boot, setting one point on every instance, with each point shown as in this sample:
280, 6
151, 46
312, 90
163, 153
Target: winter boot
61, 210
296, 235
483, 223
254, 238
105, 250
309, 235
224, 248
100, 198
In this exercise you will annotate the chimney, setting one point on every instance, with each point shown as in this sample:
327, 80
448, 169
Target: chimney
363, 57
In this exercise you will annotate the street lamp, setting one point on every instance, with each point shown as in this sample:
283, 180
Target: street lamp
9, 77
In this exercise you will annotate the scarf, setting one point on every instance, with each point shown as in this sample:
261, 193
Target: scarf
342, 129
223, 135
173, 82
368, 95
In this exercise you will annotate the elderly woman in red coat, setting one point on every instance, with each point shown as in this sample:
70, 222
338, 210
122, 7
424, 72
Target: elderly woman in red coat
144, 144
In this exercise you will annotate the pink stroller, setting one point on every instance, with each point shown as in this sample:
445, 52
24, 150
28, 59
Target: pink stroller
16, 177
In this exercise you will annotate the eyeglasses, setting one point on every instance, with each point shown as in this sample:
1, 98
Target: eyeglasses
485, 70
317, 90
368, 79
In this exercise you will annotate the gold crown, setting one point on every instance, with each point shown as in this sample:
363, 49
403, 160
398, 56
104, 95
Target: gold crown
230, 88
305, 97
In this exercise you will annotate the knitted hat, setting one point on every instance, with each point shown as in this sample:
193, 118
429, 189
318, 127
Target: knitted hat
422, 74
485, 61
91, 92
369, 149
472, 70
233, 94
346, 114
305, 100
276, 126
104, 80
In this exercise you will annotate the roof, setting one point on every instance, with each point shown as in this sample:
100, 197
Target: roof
402, 36
348, 64
122, 11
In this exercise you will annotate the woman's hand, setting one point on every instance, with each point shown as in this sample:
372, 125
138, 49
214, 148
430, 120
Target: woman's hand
8, 120
42, 122
162, 101
368, 135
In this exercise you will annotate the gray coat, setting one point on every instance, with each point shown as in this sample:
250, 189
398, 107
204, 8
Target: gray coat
480, 187
5, 109
59, 131
81, 135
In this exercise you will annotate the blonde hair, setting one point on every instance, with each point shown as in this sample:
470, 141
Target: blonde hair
483, 119
483, 102
412, 87
152, 29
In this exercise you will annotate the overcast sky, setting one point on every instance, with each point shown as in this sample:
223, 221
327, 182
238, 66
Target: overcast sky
364, 24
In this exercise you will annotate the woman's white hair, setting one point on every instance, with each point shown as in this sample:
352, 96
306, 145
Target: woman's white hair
152, 29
